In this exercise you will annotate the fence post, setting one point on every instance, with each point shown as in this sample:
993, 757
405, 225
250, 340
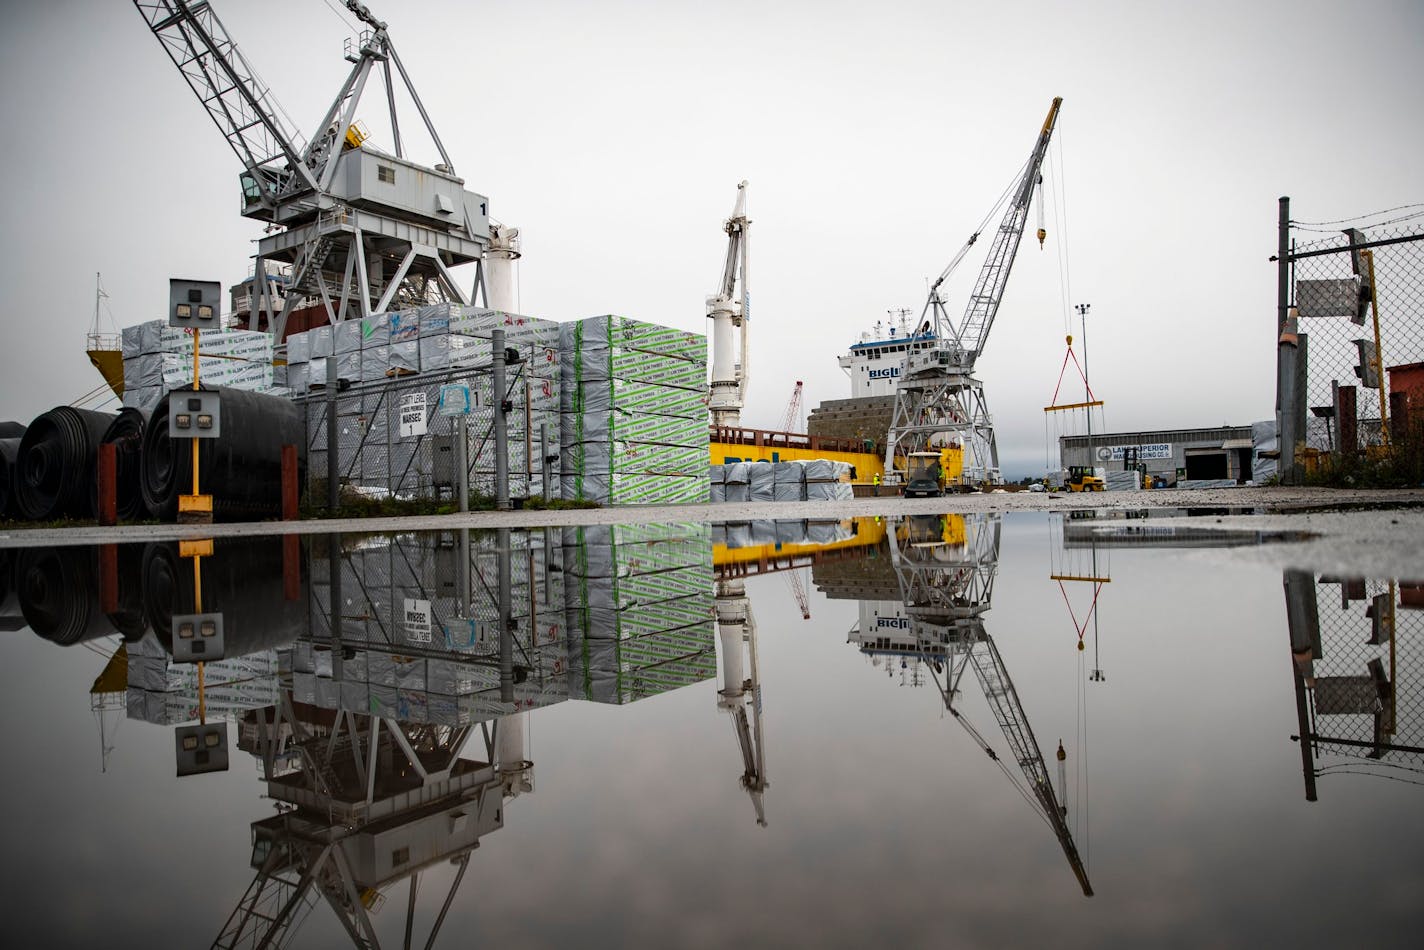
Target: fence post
1286, 355
1346, 420
501, 434
108, 484
289, 483
1399, 418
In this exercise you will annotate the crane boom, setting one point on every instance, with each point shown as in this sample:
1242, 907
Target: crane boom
988, 291
998, 688
219, 75
730, 311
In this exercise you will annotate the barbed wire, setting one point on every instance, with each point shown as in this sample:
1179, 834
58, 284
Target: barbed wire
1360, 220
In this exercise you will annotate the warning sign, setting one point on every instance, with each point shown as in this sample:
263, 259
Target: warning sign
412, 415
417, 621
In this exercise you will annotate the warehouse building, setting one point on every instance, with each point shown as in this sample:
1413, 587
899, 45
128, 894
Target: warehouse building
1224, 454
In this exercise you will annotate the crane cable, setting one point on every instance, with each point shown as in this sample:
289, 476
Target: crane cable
989, 216
1058, 189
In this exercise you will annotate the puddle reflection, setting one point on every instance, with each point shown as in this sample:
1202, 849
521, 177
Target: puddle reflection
382, 685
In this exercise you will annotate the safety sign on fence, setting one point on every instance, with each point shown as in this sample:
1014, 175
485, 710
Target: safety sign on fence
417, 621
412, 415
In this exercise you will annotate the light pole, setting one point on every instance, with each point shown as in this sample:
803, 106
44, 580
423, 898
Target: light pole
1082, 309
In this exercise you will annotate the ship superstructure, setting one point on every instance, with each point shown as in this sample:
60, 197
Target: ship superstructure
876, 361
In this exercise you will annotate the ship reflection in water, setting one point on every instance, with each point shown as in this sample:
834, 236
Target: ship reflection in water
386, 689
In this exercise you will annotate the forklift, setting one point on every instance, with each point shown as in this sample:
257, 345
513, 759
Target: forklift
1083, 478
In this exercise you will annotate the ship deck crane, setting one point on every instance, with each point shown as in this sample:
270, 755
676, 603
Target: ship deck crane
740, 695
793, 410
730, 312
357, 229
938, 396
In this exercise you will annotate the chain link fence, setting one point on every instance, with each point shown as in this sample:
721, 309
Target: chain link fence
1358, 645
396, 438
1358, 301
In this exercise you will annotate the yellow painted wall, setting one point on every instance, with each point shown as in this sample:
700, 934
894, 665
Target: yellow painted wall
867, 465
869, 533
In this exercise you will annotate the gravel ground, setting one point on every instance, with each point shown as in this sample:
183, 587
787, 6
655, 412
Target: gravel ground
1389, 522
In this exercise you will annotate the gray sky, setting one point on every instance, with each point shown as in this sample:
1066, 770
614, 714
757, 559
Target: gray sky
875, 139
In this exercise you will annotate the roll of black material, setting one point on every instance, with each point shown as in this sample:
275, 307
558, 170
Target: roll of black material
9, 504
131, 616
243, 580
54, 471
10, 616
242, 469
59, 594
126, 434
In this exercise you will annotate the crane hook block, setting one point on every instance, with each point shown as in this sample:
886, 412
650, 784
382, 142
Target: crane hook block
1042, 235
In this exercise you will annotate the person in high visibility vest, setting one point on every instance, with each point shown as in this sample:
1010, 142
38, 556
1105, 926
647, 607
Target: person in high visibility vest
877, 478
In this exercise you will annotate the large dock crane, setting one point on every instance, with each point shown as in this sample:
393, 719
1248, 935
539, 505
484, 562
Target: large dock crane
938, 400
945, 566
360, 230
730, 311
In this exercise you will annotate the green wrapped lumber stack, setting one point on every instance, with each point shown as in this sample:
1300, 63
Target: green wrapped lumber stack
640, 609
633, 403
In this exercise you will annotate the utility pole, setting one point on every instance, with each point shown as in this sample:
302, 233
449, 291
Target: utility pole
1083, 309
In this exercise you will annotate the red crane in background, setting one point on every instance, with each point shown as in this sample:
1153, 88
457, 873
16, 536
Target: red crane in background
793, 412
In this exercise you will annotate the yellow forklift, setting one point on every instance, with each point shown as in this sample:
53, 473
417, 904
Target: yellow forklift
1083, 478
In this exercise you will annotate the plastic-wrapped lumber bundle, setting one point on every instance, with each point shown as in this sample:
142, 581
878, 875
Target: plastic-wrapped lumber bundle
791, 532
166, 693
763, 532
1123, 481
824, 480
761, 481
242, 470
158, 357
827, 532
737, 474
718, 476
634, 427
55, 468
789, 480
639, 608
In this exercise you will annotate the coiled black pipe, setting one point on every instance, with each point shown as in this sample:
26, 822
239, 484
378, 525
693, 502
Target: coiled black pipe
9, 452
55, 468
12, 430
59, 594
242, 469
126, 434
243, 580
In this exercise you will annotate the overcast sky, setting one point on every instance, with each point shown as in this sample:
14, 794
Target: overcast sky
875, 138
